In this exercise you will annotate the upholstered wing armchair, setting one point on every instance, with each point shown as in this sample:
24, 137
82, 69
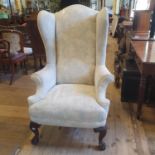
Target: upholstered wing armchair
71, 88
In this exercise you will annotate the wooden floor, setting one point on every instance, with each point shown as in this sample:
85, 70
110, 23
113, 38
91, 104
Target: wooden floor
14, 114
125, 136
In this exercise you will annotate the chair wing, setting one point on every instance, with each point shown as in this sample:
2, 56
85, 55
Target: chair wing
45, 79
102, 75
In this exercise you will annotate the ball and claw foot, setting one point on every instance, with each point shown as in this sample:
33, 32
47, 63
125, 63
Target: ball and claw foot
102, 146
35, 140
34, 128
102, 133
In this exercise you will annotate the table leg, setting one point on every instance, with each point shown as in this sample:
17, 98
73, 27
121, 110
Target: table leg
141, 95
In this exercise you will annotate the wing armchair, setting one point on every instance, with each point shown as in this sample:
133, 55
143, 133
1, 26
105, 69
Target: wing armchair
71, 88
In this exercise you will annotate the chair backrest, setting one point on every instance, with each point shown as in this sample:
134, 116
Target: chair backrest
15, 38
22, 28
76, 45
80, 35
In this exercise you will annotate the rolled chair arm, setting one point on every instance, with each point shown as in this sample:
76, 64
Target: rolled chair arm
102, 79
44, 79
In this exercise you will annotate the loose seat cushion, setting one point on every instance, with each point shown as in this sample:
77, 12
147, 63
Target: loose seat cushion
71, 105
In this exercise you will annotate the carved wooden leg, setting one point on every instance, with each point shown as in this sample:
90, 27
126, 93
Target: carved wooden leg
117, 82
141, 95
25, 66
12, 73
34, 128
35, 62
102, 132
41, 64
117, 72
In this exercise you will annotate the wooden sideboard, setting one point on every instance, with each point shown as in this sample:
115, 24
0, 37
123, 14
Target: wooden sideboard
132, 69
141, 21
145, 59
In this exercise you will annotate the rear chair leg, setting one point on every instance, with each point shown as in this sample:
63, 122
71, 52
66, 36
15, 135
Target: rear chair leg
34, 128
102, 133
12, 73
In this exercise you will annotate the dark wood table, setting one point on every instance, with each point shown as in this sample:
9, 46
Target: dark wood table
145, 59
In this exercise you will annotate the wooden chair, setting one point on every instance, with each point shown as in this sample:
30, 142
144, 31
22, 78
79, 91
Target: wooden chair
4, 45
12, 42
22, 28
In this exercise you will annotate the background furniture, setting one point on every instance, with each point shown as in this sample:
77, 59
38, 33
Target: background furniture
36, 41
65, 3
145, 59
124, 34
4, 46
24, 30
141, 21
152, 30
128, 75
136, 30
71, 88
15, 50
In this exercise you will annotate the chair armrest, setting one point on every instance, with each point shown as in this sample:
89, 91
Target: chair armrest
102, 79
44, 79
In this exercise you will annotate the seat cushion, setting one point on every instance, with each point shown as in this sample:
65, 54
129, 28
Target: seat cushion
70, 105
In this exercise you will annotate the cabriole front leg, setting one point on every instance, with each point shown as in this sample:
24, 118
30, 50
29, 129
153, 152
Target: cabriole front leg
102, 133
141, 95
34, 128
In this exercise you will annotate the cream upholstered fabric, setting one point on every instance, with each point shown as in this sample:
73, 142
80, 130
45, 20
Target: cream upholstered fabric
76, 45
72, 105
71, 89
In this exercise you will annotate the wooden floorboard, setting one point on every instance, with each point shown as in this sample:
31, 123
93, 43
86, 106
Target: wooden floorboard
126, 135
14, 118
